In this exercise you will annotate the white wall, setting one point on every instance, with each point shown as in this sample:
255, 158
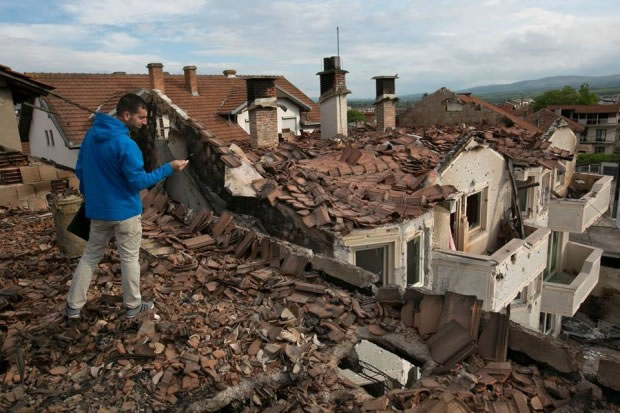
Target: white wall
292, 110
334, 116
58, 153
9, 134
475, 168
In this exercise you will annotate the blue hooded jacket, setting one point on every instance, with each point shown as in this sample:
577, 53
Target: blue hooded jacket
111, 171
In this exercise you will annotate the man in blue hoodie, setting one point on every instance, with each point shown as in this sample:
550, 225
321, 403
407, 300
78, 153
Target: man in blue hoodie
111, 173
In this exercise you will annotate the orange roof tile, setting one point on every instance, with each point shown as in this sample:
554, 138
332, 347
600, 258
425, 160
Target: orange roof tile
216, 93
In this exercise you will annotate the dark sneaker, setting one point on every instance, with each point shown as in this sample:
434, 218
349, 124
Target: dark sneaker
145, 306
72, 314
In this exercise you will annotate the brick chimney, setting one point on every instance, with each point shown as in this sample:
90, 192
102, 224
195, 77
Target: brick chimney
191, 83
385, 102
156, 76
263, 111
333, 100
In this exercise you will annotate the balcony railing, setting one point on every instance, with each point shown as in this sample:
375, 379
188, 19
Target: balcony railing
575, 215
565, 291
496, 279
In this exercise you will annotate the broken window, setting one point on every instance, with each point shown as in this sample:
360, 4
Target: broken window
414, 261
522, 196
546, 323
545, 191
552, 260
474, 207
374, 260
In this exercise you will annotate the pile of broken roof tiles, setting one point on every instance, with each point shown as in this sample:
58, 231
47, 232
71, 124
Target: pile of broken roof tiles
224, 315
371, 178
234, 308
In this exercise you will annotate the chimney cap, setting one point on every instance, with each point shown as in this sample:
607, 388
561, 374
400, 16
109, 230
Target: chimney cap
230, 72
150, 65
386, 77
191, 67
119, 73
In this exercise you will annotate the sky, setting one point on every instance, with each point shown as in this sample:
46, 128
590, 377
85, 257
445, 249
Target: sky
429, 44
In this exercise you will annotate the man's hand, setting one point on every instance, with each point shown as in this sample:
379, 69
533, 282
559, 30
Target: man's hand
178, 165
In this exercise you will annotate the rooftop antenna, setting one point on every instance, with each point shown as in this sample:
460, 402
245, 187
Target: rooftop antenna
338, 40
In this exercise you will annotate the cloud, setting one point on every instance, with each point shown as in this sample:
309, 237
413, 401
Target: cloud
119, 41
430, 44
123, 12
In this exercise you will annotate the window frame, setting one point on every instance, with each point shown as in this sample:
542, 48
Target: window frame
388, 260
420, 267
482, 210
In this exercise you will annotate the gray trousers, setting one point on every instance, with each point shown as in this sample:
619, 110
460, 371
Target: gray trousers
128, 238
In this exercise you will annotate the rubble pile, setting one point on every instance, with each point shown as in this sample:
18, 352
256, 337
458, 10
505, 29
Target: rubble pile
229, 325
240, 324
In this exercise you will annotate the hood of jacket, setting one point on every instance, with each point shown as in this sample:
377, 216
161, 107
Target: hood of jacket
106, 127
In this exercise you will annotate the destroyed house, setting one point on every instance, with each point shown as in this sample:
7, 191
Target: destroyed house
219, 101
446, 108
415, 207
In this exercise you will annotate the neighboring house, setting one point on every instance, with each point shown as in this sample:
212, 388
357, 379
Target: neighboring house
217, 101
601, 122
15, 88
438, 209
445, 108
544, 118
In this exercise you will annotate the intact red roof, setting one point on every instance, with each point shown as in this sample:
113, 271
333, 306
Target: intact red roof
615, 108
515, 119
216, 94
545, 117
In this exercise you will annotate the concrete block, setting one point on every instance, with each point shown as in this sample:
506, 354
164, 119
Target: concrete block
8, 194
42, 188
74, 183
346, 272
65, 174
37, 204
545, 349
609, 372
47, 172
30, 174
25, 191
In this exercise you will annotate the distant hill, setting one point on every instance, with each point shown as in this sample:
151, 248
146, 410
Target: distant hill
601, 85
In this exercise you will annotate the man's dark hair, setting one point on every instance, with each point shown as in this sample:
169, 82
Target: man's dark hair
130, 103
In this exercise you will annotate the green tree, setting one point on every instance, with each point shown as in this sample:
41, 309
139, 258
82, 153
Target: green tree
355, 116
566, 96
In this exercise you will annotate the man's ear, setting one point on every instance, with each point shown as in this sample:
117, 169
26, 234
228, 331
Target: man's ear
125, 116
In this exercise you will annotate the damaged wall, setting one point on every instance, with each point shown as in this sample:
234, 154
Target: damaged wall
9, 133
442, 108
396, 237
473, 170
495, 279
